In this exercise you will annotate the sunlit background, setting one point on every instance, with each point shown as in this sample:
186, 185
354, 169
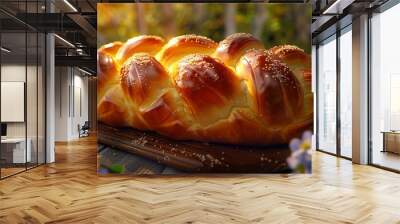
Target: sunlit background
274, 24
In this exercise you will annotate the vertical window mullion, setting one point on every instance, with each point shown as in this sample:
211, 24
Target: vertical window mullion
316, 97
26, 86
37, 89
338, 77
369, 100
0, 94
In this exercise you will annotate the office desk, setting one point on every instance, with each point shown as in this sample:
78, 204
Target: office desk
13, 150
391, 141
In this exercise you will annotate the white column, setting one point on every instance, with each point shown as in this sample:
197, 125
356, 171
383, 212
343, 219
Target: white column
50, 92
360, 90
50, 99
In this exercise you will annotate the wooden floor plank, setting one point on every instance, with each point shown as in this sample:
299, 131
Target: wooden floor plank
69, 191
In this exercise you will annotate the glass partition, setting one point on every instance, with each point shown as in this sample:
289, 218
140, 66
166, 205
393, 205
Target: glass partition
22, 88
327, 95
15, 150
346, 72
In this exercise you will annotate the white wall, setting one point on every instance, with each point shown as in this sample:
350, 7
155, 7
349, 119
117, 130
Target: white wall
12, 73
71, 93
61, 103
33, 127
81, 100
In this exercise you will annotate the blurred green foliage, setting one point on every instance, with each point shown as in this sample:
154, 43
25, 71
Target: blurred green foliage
274, 24
116, 168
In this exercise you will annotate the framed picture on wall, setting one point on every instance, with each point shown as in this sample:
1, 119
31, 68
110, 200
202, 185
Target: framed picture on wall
204, 88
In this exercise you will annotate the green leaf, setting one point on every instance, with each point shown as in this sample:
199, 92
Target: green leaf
116, 168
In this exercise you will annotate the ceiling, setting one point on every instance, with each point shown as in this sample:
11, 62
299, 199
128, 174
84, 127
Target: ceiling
331, 15
74, 22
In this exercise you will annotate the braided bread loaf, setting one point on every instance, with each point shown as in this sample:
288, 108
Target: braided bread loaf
192, 88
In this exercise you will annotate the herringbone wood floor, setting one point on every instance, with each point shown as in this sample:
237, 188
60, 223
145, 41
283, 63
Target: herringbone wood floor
69, 191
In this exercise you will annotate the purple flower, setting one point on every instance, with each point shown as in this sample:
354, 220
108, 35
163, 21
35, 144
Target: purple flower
294, 144
300, 158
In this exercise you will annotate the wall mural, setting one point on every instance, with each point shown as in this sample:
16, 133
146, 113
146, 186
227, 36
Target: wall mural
204, 88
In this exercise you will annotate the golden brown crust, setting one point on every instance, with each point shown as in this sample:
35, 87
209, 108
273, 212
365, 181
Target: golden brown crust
300, 64
107, 73
289, 52
142, 77
111, 48
111, 110
164, 118
181, 46
297, 60
234, 46
139, 44
277, 94
204, 83
188, 89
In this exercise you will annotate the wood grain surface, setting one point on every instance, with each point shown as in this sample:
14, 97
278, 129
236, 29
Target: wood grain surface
197, 157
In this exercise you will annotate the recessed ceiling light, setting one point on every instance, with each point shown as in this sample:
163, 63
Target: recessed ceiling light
5, 50
337, 7
70, 5
65, 41
84, 71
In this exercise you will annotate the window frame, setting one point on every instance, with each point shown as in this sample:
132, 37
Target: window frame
342, 27
378, 10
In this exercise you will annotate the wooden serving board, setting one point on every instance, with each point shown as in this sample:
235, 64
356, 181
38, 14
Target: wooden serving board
190, 156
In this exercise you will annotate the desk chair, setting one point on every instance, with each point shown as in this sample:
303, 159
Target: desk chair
84, 130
